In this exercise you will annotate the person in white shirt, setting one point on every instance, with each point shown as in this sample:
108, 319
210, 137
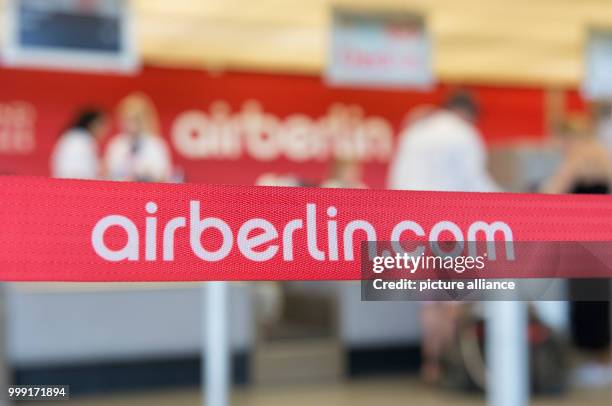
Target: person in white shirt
75, 154
442, 150
138, 153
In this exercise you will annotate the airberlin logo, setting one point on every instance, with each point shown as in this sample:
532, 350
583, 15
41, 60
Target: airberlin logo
258, 239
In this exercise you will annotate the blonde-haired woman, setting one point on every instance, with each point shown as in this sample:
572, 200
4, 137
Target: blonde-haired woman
138, 153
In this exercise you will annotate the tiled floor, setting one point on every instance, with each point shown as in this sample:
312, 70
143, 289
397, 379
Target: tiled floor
380, 392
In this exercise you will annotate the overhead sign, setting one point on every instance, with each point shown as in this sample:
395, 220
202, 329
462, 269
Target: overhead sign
380, 49
73, 34
598, 75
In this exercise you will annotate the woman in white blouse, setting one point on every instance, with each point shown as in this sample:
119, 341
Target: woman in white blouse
138, 153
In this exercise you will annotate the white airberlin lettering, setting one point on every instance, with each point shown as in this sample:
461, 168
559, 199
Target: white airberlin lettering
257, 239
344, 132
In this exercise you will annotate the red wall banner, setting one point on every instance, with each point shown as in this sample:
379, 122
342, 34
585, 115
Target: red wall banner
232, 127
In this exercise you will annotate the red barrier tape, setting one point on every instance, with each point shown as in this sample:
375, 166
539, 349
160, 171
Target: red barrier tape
68, 230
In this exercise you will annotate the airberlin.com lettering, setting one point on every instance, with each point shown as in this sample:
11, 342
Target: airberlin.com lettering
258, 239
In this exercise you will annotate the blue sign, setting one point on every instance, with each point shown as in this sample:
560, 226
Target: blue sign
44, 23
70, 34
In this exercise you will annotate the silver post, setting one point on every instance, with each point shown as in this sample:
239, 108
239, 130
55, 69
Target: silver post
507, 354
216, 354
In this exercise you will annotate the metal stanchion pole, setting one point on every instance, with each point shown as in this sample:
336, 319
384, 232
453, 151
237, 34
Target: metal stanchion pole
216, 348
507, 354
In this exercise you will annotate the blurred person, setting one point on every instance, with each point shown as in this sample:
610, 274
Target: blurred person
138, 153
76, 153
586, 169
441, 149
586, 163
345, 174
